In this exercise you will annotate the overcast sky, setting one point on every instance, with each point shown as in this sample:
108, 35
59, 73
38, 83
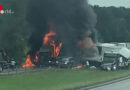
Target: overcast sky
117, 3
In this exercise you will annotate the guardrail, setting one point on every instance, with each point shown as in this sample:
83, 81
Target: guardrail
20, 70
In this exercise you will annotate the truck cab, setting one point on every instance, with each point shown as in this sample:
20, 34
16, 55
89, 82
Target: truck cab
110, 61
114, 61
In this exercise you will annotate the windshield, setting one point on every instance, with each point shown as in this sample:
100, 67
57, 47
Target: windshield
109, 59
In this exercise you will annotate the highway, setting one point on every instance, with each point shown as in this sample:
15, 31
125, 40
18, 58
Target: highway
122, 85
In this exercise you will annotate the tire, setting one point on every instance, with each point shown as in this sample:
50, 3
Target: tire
128, 67
114, 67
1, 69
108, 69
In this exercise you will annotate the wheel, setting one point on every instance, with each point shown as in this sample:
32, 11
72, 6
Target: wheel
108, 69
1, 69
128, 67
114, 67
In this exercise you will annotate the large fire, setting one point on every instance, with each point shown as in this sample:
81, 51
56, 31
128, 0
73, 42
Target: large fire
47, 40
28, 62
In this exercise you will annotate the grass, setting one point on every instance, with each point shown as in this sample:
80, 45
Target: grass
58, 79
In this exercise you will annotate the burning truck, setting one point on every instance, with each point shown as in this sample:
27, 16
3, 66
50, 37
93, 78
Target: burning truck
61, 29
49, 51
49, 54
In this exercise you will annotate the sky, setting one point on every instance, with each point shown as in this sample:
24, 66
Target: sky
117, 3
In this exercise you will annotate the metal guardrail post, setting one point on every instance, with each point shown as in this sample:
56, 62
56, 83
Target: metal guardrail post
8, 69
16, 69
25, 69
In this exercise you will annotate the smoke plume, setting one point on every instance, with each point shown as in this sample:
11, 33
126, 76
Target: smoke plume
72, 20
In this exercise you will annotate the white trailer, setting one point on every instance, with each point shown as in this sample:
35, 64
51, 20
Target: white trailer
119, 58
125, 52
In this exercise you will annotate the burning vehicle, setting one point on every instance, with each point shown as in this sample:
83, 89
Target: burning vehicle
48, 53
6, 62
66, 62
60, 32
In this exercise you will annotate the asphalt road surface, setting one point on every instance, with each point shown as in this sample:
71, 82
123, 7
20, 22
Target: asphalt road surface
122, 85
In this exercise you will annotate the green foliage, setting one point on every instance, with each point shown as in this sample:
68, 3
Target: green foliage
113, 24
14, 31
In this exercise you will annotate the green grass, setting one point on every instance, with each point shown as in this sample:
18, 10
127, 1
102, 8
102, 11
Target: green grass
57, 79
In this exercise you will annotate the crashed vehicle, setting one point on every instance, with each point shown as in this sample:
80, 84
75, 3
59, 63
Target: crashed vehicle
6, 62
66, 62
46, 60
116, 60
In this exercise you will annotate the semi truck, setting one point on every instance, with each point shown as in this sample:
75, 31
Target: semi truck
114, 56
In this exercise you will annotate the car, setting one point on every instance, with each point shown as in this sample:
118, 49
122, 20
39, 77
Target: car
66, 62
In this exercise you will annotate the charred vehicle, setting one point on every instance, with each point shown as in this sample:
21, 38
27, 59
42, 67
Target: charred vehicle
45, 58
66, 62
6, 62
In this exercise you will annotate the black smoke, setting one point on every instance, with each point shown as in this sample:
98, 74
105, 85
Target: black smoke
72, 20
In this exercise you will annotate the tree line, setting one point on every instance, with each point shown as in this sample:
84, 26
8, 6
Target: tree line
113, 24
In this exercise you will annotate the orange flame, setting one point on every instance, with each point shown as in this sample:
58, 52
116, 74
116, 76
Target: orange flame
47, 38
36, 56
79, 66
28, 62
49, 41
55, 49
